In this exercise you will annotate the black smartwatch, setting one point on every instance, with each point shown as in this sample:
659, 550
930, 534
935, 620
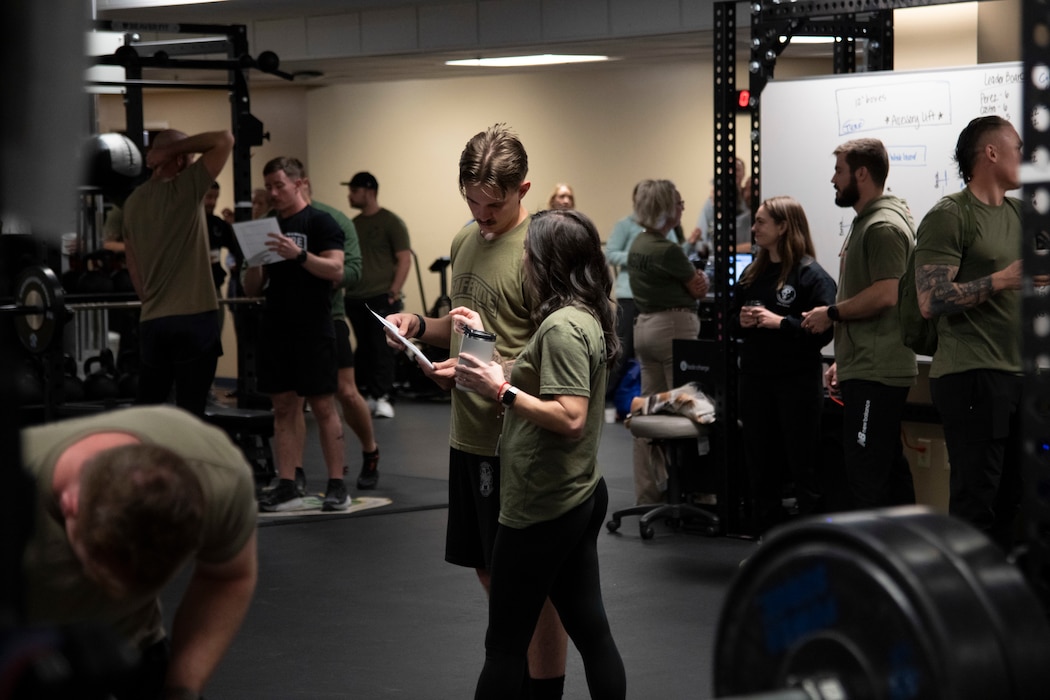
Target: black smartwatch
833, 313
301, 257
509, 395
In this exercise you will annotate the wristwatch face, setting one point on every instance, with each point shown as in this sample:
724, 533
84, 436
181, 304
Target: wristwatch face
509, 395
301, 258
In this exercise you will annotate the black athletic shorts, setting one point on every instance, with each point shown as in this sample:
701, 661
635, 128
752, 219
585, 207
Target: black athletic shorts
344, 352
304, 364
473, 509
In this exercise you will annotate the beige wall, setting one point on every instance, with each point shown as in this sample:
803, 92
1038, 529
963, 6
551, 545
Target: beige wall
599, 129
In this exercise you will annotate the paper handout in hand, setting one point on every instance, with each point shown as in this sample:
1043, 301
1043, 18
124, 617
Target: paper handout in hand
410, 348
252, 237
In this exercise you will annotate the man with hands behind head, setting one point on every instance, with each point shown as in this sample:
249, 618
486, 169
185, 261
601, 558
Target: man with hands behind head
169, 260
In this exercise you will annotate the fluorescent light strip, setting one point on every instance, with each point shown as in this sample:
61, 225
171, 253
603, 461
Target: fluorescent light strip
809, 40
547, 59
136, 4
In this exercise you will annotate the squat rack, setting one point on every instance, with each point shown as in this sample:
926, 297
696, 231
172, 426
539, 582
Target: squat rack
136, 55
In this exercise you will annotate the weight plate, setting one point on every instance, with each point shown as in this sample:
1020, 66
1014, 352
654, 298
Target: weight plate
1012, 608
897, 604
39, 287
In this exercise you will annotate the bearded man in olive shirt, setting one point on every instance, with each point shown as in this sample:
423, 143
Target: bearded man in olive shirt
873, 368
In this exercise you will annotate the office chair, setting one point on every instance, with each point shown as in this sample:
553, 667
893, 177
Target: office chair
671, 433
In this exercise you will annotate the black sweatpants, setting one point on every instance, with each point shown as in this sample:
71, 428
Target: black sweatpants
877, 474
180, 353
374, 364
980, 411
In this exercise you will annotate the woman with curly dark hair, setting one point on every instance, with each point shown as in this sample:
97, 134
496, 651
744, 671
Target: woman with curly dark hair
553, 498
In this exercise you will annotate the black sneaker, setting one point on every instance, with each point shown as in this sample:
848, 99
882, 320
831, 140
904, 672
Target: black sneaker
336, 497
369, 476
280, 498
300, 481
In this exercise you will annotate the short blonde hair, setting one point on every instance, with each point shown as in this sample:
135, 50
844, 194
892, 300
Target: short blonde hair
655, 203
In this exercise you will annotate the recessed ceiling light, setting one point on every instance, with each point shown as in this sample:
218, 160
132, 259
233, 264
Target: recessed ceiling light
547, 59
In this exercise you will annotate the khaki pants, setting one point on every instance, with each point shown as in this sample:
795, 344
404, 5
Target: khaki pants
653, 334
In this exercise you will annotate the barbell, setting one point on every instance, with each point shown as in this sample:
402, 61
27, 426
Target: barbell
894, 604
40, 309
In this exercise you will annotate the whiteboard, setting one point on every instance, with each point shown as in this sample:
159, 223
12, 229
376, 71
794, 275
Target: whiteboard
918, 115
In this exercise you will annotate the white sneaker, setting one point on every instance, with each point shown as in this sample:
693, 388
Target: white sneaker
383, 409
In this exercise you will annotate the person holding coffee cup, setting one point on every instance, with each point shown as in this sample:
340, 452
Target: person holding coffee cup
487, 276
781, 366
553, 498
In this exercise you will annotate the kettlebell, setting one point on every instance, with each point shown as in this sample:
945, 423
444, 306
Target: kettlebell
72, 385
29, 388
100, 384
94, 282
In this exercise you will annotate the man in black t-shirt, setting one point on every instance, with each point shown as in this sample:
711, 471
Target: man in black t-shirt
297, 349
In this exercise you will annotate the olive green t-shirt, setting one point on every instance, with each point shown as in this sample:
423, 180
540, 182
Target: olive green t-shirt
381, 236
57, 591
351, 257
487, 277
165, 229
987, 336
876, 248
543, 474
658, 271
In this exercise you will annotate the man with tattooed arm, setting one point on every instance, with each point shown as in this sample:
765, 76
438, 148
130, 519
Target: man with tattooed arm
968, 276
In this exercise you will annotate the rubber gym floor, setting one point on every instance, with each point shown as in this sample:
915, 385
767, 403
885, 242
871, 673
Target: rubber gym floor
364, 605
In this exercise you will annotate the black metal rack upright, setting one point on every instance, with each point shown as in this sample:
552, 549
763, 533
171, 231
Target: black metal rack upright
1035, 305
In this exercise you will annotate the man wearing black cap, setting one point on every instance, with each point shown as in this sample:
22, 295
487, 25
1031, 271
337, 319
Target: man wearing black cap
386, 257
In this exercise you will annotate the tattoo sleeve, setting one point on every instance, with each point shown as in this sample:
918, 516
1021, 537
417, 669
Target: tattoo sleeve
938, 293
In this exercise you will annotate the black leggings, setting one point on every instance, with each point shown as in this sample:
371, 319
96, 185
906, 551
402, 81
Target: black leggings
556, 559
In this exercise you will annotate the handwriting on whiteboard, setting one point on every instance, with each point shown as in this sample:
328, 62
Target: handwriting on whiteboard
894, 106
903, 105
